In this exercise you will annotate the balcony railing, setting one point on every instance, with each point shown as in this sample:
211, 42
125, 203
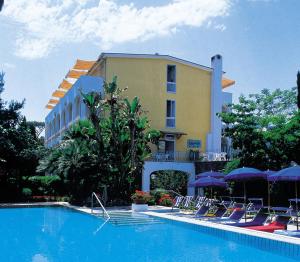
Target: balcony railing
187, 156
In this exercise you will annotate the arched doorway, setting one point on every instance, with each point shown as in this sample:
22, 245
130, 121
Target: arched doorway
173, 180
151, 167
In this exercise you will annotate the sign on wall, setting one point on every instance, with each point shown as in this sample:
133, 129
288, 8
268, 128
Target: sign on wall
193, 143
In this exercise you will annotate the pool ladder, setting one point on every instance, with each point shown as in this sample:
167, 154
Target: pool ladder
104, 212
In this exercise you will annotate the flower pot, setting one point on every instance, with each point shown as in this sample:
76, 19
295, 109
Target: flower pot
139, 207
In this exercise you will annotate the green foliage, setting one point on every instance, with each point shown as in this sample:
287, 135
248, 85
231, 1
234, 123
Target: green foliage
26, 192
20, 148
264, 129
170, 180
107, 149
298, 90
235, 163
46, 185
158, 193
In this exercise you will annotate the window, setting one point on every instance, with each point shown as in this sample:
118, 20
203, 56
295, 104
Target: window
170, 118
70, 113
171, 78
77, 109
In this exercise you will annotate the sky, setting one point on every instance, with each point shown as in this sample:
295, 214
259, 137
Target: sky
41, 40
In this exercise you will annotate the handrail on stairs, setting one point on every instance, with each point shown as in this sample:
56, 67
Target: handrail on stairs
104, 212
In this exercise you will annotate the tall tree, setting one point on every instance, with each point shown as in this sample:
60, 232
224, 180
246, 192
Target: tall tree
19, 147
264, 129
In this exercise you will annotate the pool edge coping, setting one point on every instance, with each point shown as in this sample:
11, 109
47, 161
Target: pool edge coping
239, 230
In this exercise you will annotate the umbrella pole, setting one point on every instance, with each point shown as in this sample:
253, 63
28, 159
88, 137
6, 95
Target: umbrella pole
269, 197
296, 191
245, 201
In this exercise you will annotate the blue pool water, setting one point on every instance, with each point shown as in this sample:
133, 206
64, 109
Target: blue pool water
58, 234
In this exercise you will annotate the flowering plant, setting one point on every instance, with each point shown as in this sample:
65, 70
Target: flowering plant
140, 197
166, 200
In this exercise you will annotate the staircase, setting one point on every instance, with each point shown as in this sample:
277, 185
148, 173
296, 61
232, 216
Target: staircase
119, 218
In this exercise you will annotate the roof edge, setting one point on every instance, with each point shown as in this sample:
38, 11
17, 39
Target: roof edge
154, 56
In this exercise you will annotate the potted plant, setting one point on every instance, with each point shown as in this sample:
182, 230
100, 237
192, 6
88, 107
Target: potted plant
140, 201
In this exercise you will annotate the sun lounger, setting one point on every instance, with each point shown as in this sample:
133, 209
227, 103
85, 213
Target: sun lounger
255, 204
200, 201
202, 211
219, 212
177, 201
187, 201
280, 223
235, 217
291, 233
258, 220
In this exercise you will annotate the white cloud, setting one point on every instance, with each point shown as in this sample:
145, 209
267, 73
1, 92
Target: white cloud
47, 24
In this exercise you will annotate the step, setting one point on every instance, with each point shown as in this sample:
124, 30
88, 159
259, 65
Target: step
129, 218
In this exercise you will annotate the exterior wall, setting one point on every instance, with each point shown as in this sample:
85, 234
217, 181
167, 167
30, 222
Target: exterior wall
147, 79
227, 98
69, 109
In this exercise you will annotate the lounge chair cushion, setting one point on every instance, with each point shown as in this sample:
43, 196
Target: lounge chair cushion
269, 228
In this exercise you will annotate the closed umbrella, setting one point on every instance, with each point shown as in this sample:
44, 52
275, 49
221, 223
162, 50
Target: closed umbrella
245, 174
291, 174
209, 182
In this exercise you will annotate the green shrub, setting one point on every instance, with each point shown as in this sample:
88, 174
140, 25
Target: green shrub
166, 200
26, 192
158, 193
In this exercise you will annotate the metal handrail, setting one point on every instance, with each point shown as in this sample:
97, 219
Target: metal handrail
103, 208
174, 192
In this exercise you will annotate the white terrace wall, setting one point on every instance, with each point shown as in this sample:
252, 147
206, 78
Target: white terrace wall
150, 167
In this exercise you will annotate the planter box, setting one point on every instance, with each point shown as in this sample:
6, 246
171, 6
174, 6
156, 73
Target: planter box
139, 207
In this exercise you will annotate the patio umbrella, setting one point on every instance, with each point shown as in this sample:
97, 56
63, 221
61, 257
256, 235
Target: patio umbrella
288, 174
211, 173
209, 182
245, 174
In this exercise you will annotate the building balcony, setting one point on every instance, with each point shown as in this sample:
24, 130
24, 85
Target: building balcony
187, 156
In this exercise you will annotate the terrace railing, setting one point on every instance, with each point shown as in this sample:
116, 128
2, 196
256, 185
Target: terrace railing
187, 156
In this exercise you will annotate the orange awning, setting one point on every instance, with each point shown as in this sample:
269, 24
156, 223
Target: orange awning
227, 82
75, 74
49, 106
83, 65
65, 85
58, 93
53, 101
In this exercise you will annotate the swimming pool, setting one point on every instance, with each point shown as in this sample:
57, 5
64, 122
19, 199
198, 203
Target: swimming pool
59, 234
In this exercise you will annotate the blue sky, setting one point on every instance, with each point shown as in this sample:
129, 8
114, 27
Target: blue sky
40, 40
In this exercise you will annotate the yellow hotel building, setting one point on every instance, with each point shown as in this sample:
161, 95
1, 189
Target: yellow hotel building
181, 99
